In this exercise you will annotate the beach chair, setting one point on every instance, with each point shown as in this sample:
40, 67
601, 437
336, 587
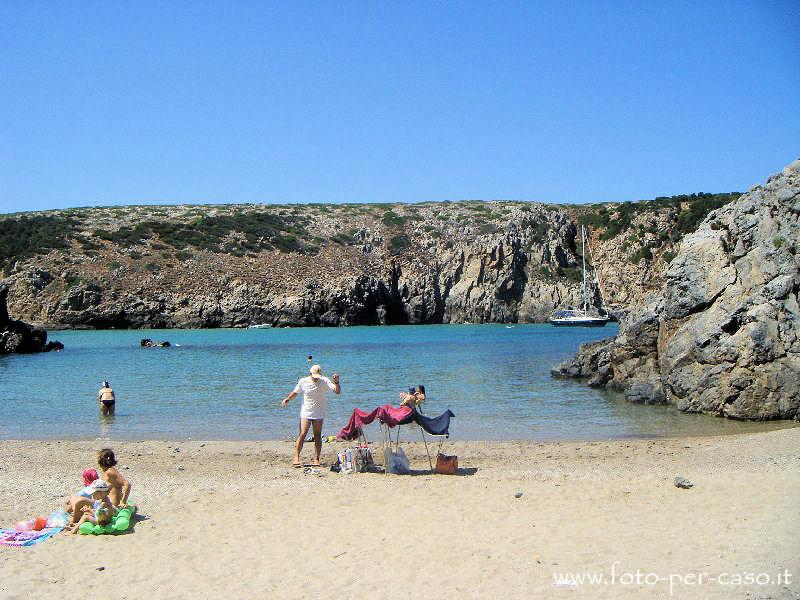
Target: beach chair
436, 427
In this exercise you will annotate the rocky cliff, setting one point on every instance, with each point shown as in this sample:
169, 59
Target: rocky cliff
305, 265
723, 336
19, 337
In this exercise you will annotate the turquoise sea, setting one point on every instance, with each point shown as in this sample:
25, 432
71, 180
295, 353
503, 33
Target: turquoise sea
227, 384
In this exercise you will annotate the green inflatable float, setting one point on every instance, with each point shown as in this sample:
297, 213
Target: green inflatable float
119, 523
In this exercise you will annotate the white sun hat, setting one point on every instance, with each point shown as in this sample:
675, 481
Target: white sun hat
316, 372
100, 486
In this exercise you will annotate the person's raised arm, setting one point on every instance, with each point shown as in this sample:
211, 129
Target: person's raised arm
337, 389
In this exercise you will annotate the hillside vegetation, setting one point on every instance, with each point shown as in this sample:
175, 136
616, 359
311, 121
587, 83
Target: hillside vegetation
127, 252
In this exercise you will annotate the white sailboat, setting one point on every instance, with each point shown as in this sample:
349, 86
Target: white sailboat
582, 317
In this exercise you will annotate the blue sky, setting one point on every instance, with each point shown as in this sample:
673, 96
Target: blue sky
112, 103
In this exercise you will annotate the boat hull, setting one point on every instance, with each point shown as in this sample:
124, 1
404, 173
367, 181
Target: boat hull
579, 322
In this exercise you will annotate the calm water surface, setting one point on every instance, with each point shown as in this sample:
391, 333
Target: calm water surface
227, 384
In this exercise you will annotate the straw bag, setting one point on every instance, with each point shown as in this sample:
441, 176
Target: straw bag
446, 465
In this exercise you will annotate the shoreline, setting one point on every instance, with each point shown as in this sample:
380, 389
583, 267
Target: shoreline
760, 427
57, 327
232, 518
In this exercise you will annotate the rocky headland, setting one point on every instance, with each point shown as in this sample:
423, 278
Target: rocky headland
723, 336
333, 265
19, 337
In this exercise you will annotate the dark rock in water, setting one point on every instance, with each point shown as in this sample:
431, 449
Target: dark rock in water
148, 343
643, 392
19, 337
684, 483
723, 336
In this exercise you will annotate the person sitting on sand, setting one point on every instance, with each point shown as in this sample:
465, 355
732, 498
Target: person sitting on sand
315, 389
413, 398
97, 510
89, 477
107, 400
120, 487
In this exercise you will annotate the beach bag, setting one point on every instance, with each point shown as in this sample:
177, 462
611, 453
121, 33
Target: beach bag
446, 465
345, 460
396, 461
362, 457
354, 460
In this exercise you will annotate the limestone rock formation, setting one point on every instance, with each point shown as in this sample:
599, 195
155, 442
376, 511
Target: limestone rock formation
19, 337
723, 336
333, 265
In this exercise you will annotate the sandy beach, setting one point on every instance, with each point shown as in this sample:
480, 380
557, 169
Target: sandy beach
233, 520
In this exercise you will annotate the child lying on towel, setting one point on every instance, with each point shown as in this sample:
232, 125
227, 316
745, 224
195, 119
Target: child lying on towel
98, 512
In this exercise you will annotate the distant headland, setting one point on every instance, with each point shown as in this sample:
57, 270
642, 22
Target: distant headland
334, 264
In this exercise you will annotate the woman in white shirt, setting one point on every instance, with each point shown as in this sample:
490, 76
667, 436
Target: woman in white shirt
312, 413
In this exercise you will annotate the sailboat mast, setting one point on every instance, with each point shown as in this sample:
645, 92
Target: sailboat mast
597, 281
583, 256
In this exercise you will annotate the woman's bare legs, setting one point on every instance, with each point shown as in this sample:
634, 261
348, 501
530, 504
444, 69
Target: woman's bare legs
77, 525
317, 423
298, 446
72, 501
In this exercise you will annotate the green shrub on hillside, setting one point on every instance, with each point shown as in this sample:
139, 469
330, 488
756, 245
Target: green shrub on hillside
392, 219
72, 281
642, 253
26, 236
690, 217
260, 231
399, 243
571, 273
342, 239
694, 208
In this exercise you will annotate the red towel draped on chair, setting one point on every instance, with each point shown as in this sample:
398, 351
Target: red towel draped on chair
386, 414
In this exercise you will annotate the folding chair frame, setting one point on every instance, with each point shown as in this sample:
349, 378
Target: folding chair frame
387, 442
425, 441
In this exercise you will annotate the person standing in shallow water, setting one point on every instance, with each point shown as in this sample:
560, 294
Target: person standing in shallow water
314, 388
107, 400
